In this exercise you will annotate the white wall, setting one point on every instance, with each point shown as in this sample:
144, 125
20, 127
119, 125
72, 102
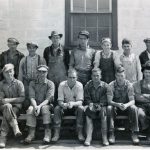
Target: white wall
134, 22
30, 20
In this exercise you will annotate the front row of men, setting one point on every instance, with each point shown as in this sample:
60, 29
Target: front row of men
99, 100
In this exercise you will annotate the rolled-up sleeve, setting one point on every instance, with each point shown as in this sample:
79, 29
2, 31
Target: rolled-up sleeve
61, 92
80, 93
116, 58
130, 92
21, 90
50, 90
97, 60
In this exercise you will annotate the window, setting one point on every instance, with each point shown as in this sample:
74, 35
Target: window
96, 16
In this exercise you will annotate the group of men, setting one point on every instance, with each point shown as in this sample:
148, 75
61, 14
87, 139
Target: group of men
87, 83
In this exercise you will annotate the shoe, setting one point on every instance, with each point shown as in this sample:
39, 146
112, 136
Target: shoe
111, 137
47, 137
104, 138
29, 139
80, 135
87, 142
135, 138
2, 142
56, 135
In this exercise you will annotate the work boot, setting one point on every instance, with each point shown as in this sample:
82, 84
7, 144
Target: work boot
135, 138
47, 137
30, 136
104, 138
80, 135
56, 135
2, 141
15, 128
88, 140
111, 137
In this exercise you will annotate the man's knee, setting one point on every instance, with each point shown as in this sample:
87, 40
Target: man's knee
7, 106
133, 108
141, 113
80, 109
30, 110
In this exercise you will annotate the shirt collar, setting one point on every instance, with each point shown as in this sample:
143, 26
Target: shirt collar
116, 84
12, 82
37, 81
66, 84
100, 83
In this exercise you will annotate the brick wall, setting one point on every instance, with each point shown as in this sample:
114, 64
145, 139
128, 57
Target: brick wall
134, 22
30, 20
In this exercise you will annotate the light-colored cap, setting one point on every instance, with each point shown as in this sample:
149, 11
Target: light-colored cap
7, 67
42, 68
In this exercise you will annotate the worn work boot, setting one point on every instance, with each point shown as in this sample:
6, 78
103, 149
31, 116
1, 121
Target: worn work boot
104, 138
47, 137
2, 141
88, 140
80, 135
56, 135
135, 138
111, 137
30, 136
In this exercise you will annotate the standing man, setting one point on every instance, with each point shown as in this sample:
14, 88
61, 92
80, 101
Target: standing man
96, 94
12, 55
11, 98
70, 98
28, 69
41, 93
145, 55
57, 59
130, 62
107, 60
82, 58
142, 97
123, 102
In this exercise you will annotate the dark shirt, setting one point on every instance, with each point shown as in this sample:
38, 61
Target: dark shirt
5, 58
97, 95
122, 94
143, 57
41, 91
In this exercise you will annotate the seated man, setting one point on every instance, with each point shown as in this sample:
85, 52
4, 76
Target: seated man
142, 97
96, 94
122, 103
70, 98
11, 98
41, 93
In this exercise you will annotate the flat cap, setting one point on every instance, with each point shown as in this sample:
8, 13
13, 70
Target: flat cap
146, 40
120, 69
32, 44
13, 40
55, 33
105, 40
42, 68
7, 67
84, 32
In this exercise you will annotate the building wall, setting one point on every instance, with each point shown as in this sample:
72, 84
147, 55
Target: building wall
134, 22
30, 20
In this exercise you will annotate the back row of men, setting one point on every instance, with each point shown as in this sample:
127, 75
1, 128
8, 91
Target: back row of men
99, 98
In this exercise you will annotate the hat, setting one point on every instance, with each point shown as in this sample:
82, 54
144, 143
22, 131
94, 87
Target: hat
146, 66
33, 44
7, 67
84, 32
55, 33
120, 69
42, 68
13, 40
146, 40
105, 40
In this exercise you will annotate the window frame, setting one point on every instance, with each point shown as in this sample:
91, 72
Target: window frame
114, 24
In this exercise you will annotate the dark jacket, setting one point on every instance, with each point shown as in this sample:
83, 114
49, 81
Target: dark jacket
143, 58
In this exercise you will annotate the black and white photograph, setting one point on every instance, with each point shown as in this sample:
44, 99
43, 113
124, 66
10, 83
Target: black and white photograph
74, 74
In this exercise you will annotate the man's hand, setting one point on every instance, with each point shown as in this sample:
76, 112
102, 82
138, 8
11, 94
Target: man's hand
37, 110
65, 105
123, 107
91, 106
70, 105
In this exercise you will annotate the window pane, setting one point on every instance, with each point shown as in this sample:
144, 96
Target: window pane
104, 20
78, 5
91, 5
91, 20
78, 20
104, 5
104, 32
93, 34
